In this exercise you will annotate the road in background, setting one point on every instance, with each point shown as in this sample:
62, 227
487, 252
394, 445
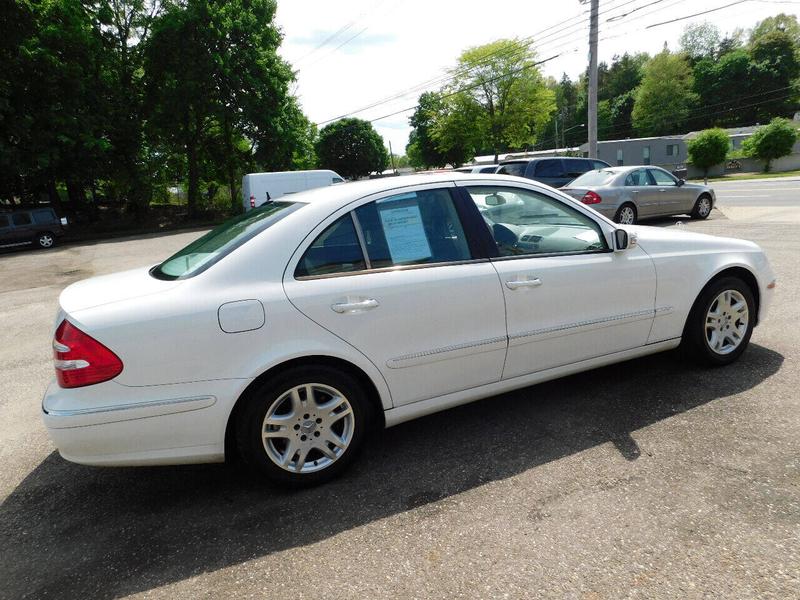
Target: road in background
652, 478
765, 200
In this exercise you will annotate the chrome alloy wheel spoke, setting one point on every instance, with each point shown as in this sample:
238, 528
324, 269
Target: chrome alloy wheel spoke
726, 322
307, 428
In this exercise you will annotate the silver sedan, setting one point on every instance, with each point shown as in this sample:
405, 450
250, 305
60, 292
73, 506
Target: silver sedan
627, 194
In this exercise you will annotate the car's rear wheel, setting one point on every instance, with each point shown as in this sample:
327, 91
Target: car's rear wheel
45, 240
626, 214
304, 426
721, 322
702, 208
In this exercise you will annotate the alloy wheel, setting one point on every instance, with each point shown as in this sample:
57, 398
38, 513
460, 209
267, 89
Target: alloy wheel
726, 322
627, 216
308, 428
704, 207
45, 240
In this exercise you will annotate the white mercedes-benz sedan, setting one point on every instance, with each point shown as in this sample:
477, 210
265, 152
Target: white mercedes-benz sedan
287, 333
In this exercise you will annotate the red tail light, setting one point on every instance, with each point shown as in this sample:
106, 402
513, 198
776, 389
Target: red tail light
252, 201
591, 197
82, 360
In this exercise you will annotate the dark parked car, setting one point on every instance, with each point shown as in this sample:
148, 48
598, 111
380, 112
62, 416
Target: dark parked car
38, 226
555, 171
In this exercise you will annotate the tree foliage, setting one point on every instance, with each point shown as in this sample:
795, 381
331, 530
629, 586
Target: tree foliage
700, 40
422, 148
709, 148
121, 99
771, 141
352, 148
498, 92
665, 96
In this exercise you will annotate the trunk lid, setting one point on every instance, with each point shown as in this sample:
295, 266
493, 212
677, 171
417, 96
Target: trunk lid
116, 287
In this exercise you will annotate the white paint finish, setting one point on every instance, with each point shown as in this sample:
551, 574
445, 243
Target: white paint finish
410, 412
435, 337
556, 323
240, 316
423, 311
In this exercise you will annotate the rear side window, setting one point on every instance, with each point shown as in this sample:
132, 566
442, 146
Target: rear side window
413, 228
517, 169
550, 168
218, 243
21, 219
336, 250
337, 180
44, 216
491, 169
599, 164
637, 178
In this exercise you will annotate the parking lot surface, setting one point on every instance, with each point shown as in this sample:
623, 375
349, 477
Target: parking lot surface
651, 478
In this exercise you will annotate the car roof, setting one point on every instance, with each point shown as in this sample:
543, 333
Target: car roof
539, 158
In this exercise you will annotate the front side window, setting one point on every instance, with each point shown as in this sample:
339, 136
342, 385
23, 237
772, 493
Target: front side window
221, 241
336, 250
517, 169
524, 222
662, 177
21, 219
413, 228
44, 216
491, 169
599, 164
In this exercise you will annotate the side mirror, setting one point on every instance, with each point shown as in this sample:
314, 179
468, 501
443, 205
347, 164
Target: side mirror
620, 239
681, 182
623, 240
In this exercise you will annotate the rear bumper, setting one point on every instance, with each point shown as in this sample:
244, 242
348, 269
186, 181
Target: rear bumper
115, 425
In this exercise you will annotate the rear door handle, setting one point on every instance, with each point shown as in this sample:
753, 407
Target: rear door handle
523, 283
353, 307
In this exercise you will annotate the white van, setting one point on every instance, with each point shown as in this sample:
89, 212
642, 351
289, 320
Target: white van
257, 188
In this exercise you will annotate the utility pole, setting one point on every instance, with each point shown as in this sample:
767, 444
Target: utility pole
593, 27
556, 146
391, 157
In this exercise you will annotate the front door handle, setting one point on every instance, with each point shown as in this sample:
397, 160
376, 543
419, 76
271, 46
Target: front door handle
523, 283
353, 307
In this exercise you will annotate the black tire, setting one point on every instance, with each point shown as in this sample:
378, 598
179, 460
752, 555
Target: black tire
702, 210
618, 215
45, 240
261, 454
695, 341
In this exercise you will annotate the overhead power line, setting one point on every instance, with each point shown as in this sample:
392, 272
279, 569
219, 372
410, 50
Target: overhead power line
533, 40
705, 12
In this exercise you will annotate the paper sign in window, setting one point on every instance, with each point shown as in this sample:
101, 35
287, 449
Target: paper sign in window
405, 234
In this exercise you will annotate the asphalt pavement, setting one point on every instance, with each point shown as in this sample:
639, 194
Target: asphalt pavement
652, 478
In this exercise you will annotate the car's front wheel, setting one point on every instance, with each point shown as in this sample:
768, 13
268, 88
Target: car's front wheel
721, 322
702, 208
304, 426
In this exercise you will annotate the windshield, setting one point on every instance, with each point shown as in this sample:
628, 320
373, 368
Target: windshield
600, 177
221, 241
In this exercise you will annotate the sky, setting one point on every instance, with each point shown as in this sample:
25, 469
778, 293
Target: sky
351, 54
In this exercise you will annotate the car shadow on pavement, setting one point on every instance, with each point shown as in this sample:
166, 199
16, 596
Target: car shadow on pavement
69, 531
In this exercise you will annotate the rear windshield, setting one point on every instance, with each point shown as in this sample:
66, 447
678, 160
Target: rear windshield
600, 177
219, 242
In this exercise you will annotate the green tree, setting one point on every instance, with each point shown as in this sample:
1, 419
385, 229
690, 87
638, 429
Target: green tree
774, 68
709, 148
781, 22
771, 141
214, 78
665, 95
700, 40
498, 91
422, 148
352, 148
